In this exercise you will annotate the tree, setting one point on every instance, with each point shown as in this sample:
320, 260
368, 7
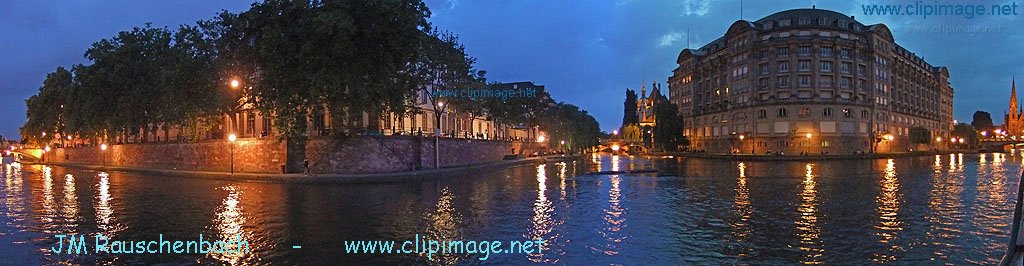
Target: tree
920, 135
966, 131
668, 131
982, 121
566, 122
629, 111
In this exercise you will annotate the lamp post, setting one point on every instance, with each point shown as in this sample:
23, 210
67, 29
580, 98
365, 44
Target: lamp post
438, 110
231, 139
103, 147
808, 143
889, 137
741, 137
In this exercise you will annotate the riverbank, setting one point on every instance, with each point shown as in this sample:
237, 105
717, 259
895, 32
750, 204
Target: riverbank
423, 174
810, 157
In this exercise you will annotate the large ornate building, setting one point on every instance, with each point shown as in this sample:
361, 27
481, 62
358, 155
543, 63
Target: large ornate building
808, 80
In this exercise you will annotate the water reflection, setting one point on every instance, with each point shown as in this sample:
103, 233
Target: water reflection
615, 162
542, 221
741, 203
888, 208
807, 224
69, 205
443, 223
104, 211
230, 223
614, 216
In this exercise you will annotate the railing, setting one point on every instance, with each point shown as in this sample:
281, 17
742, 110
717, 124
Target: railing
1013, 246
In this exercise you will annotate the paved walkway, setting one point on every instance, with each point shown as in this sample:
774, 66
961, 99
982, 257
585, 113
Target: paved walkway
321, 178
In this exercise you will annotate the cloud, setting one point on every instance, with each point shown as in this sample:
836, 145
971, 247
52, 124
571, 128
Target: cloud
696, 7
670, 38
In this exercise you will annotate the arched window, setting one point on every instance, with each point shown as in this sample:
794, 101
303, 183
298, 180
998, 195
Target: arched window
827, 112
762, 113
782, 112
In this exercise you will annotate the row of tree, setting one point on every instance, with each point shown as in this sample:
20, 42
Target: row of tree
289, 58
667, 132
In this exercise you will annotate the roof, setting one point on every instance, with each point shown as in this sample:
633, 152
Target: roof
805, 12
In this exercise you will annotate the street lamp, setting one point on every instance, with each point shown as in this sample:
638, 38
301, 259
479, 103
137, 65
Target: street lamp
540, 138
103, 147
234, 84
741, 137
231, 139
808, 143
438, 111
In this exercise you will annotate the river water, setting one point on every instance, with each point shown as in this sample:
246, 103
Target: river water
920, 210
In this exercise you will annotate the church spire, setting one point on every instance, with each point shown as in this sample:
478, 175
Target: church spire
1014, 109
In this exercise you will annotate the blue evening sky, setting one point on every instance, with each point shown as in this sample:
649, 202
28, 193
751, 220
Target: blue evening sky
586, 52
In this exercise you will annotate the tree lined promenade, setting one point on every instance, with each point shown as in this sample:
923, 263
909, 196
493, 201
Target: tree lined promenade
289, 59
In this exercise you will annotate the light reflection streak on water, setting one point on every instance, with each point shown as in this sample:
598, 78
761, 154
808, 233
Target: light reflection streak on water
614, 217
807, 225
991, 206
49, 204
13, 197
104, 211
443, 223
889, 224
542, 222
945, 209
615, 162
230, 223
561, 178
69, 204
741, 229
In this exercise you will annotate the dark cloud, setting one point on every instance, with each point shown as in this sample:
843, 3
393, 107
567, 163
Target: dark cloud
586, 53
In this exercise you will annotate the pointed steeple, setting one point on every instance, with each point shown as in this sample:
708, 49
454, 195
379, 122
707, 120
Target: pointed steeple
1014, 109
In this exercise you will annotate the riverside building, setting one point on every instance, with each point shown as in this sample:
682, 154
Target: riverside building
809, 81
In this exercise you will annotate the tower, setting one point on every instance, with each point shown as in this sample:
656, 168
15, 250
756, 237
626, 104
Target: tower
1012, 119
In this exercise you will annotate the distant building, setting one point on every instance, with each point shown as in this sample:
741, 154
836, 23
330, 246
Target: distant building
808, 80
1013, 121
645, 105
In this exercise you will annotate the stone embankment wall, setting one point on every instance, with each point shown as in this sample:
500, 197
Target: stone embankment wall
340, 156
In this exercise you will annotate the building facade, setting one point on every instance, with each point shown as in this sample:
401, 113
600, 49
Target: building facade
809, 80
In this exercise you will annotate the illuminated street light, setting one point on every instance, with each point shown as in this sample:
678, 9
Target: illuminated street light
103, 147
889, 137
741, 137
46, 149
984, 133
615, 132
938, 139
961, 140
540, 138
232, 138
615, 147
440, 104
234, 83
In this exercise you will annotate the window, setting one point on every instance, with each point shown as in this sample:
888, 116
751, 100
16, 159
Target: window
764, 82
762, 113
844, 82
250, 123
845, 53
826, 66
765, 68
782, 51
865, 114
784, 22
847, 113
783, 66
826, 51
845, 67
782, 112
803, 50
862, 70
804, 21
827, 112
803, 65
783, 81
805, 81
826, 143
804, 112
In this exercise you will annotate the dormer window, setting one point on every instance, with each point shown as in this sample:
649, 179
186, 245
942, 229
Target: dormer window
804, 21
768, 25
784, 22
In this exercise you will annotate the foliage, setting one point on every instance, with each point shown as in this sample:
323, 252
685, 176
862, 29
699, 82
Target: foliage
629, 109
920, 135
964, 130
668, 131
982, 121
566, 122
